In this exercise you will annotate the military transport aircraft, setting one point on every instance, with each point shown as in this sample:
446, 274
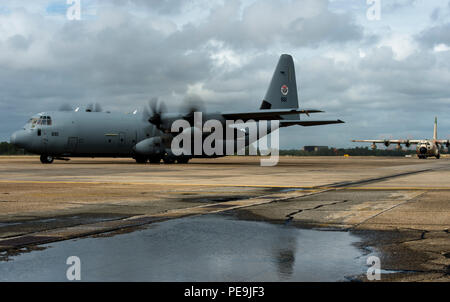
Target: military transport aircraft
425, 147
145, 136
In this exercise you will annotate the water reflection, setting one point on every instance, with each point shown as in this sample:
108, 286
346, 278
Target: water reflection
284, 250
206, 248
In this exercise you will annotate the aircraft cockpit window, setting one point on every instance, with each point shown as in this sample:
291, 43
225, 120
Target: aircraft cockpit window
33, 121
44, 121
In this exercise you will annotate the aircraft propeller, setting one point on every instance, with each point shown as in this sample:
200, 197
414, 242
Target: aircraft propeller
192, 104
93, 107
154, 111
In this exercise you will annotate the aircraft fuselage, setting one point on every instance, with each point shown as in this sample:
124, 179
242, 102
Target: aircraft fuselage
427, 148
94, 134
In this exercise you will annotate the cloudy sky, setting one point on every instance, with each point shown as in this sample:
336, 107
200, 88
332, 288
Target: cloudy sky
386, 78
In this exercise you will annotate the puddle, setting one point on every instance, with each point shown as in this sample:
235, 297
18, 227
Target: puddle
203, 248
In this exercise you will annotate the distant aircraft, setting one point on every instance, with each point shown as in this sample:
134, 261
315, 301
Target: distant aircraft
145, 136
425, 147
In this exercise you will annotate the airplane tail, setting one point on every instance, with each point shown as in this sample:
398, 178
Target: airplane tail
282, 92
435, 128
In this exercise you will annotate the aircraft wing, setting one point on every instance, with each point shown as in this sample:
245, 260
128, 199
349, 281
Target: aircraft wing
443, 142
266, 114
286, 123
376, 141
388, 141
413, 141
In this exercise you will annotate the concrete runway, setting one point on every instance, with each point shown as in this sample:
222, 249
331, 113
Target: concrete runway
400, 206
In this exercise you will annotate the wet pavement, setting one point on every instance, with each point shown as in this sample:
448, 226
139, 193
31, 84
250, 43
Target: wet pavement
201, 248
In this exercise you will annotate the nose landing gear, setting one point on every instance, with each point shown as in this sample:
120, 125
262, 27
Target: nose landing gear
46, 159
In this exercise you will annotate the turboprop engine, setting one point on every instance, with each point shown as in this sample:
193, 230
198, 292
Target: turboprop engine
150, 146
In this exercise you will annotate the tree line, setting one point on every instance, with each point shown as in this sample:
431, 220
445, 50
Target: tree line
9, 149
356, 151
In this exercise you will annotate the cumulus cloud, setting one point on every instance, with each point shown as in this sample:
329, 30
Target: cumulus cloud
435, 35
263, 24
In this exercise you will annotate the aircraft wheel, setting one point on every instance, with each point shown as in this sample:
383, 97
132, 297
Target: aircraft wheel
182, 160
140, 159
46, 159
438, 156
168, 159
155, 159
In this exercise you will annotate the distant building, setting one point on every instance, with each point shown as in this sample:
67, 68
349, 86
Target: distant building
314, 148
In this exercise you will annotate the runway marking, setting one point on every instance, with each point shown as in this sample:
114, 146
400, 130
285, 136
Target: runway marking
154, 183
335, 186
226, 185
397, 188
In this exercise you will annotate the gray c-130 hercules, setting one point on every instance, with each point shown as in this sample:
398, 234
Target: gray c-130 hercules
425, 147
144, 136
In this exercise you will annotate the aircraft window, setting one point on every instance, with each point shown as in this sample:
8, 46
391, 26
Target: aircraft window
33, 122
39, 132
44, 120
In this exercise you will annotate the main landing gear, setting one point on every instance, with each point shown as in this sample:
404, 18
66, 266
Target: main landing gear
170, 159
167, 159
141, 159
46, 159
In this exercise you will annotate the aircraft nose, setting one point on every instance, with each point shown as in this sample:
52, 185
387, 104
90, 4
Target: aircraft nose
18, 139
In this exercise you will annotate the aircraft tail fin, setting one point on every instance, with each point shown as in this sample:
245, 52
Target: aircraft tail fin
282, 92
435, 128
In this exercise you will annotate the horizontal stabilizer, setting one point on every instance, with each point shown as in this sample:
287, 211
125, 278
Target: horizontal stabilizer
308, 123
267, 114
